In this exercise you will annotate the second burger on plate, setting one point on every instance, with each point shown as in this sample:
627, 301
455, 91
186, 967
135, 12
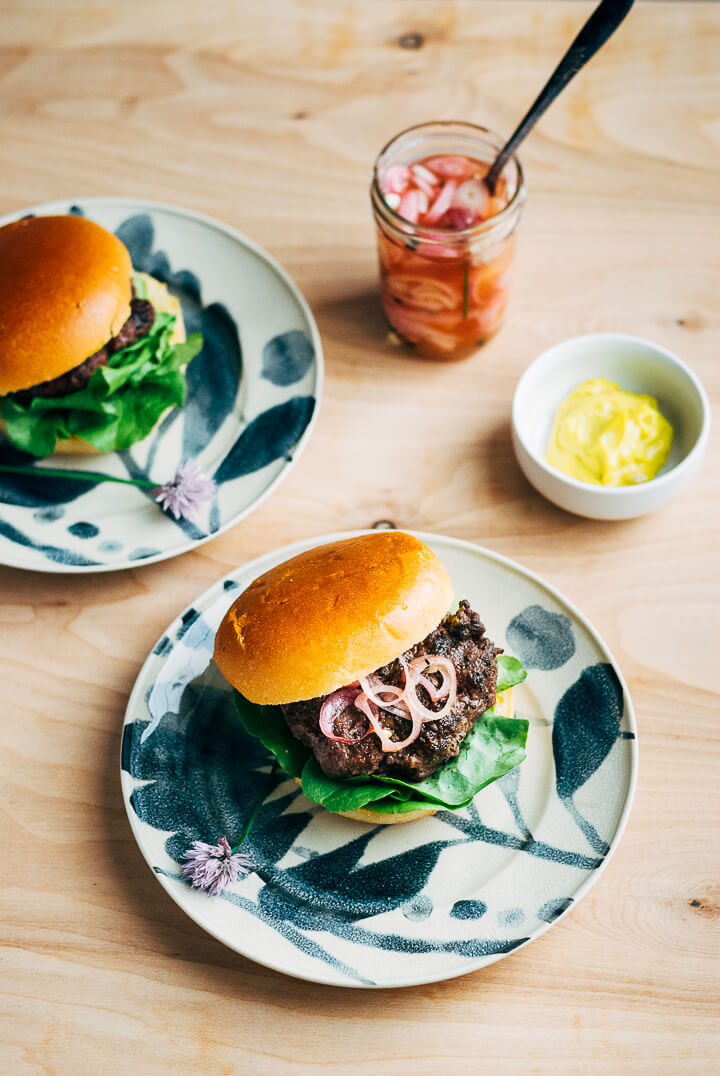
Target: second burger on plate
349, 667
92, 354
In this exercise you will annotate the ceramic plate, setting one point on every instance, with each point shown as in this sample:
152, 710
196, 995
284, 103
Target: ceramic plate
341, 902
252, 396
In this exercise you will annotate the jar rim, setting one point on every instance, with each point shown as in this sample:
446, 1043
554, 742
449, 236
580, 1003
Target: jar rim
428, 233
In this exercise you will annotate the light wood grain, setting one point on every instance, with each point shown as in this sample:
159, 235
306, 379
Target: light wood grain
269, 117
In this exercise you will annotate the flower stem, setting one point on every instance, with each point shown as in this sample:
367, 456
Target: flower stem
260, 800
85, 476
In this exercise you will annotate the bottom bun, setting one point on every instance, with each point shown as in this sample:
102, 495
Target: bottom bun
75, 447
376, 818
503, 705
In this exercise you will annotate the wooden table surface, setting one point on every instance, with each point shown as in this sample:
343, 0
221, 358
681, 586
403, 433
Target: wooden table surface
269, 117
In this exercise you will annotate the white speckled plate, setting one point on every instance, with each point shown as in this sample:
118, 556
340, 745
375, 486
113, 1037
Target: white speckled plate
341, 902
253, 394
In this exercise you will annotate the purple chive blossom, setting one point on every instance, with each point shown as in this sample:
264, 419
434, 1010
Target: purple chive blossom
213, 866
189, 491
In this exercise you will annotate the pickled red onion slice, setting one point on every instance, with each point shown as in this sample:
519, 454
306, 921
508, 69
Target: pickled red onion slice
410, 206
331, 709
457, 217
363, 704
423, 175
375, 688
370, 696
449, 167
421, 669
442, 202
395, 180
473, 195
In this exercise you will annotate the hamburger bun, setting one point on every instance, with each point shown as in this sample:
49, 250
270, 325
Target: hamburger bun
65, 290
331, 615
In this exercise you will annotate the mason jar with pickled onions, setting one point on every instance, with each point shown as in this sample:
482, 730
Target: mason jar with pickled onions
445, 242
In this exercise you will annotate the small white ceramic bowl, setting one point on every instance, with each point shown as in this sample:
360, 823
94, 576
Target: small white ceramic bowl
637, 366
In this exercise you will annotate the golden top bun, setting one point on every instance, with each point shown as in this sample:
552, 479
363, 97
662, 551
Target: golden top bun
164, 303
503, 705
64, 292
331, 615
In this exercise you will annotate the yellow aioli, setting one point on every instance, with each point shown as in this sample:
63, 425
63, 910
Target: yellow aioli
607, 436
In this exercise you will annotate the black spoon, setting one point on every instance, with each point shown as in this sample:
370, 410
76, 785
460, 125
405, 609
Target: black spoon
603, 22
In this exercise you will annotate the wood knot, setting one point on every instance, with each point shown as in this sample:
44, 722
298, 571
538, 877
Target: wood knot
384, 525
411, 40
692, 321
705, 907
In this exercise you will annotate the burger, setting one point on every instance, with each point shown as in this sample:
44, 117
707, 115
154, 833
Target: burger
349, 667
91, 353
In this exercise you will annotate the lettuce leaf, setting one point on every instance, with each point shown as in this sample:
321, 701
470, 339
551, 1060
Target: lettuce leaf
494, 746
510, 672
121, 402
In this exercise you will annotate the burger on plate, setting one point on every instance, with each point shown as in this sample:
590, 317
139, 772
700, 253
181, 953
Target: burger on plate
350, 669
91, 353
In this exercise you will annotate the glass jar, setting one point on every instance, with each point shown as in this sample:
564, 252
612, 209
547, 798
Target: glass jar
445, 289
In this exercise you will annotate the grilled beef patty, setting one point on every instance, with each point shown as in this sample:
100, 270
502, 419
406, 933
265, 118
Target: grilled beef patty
461, 638
142, 316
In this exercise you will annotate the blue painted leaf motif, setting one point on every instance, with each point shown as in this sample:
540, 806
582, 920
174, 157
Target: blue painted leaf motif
204, 782
270, 436
586, 725
213, 378
138, 235
551, 909
334, 883
543, 640
287, 358
35, 491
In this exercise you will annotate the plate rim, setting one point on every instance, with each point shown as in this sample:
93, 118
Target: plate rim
42, 208
473, 965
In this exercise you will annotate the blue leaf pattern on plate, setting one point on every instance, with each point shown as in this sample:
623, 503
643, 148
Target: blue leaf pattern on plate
213, 378
269, 437
587, 724
35, 491
587, 721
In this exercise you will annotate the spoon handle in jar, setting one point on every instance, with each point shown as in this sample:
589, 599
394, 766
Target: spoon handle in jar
603, 22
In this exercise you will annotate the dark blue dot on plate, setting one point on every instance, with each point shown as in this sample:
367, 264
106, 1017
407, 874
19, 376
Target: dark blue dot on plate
49, 515
188, 619
542, 640
287, 358
230, 584
110, 546
142, 552
553, 908
511, 917
163, 646
468, 909
83, 530
418, 909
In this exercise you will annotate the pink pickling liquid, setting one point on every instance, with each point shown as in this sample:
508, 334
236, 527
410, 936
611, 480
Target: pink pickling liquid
446, 298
